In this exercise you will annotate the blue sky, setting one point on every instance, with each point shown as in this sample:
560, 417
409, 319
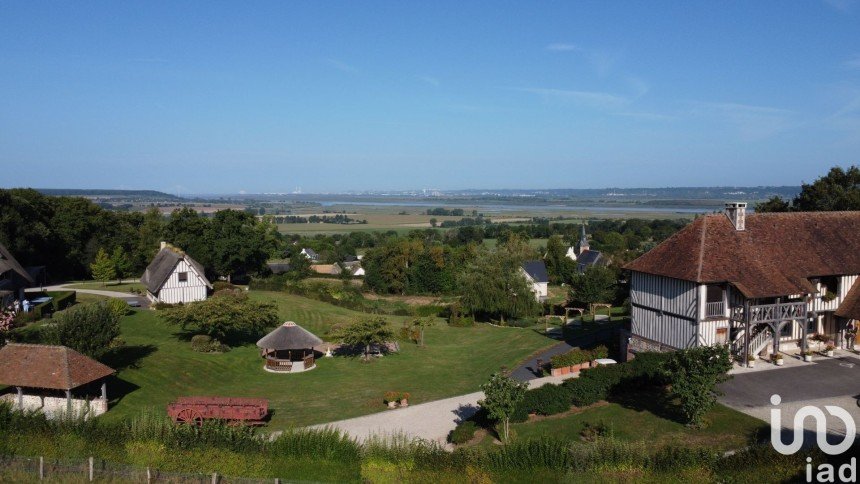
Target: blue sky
221, 97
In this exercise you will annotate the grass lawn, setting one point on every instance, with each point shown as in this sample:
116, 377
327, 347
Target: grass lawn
642, 418
110, 286
157, 366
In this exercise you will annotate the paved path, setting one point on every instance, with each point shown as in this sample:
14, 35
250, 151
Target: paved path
825, 381
430, 421
529, 370
99, 292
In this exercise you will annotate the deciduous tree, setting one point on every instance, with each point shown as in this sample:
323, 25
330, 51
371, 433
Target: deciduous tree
227, 316
88, 329
501, 396
694, 375
373, 331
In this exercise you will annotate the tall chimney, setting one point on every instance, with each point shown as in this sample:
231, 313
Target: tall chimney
163, 244
737, 214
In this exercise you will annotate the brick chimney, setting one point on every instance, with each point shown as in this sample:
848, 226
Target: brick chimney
737, 214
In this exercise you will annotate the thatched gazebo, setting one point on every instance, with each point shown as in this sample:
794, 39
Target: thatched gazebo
289, 349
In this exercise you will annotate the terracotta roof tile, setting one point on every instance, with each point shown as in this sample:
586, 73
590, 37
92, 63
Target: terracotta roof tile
774, 256
43, 366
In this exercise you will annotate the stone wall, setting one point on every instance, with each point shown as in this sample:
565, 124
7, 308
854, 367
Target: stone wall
57, 407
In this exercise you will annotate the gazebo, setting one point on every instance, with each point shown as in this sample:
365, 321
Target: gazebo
289, 349
55, 380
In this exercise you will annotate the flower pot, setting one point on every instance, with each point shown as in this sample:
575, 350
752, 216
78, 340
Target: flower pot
555, 372
392, 404
779, 362
564, 370
751, 364
830, 354
404, 403
807, 358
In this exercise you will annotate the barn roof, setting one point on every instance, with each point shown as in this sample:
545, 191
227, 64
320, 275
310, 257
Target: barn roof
289, 336
52, 367
588, 258
8, 262
536, 269
159, 270
774, 256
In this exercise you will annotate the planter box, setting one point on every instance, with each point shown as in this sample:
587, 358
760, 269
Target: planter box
565, 370
555, 372
807, 358
829, 354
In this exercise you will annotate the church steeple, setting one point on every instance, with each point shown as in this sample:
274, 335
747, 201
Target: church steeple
583, 242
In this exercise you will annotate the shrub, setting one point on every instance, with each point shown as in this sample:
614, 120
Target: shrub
461, 321
591, 432
585, 391
648, 368
547, 400
463, 432
221, 285
89, 329
119, 307
206, 344
575, 356
63, 299
429, 310
600, 352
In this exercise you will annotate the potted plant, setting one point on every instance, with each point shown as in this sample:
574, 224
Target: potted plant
751, 361
391, 399
807, 356
828, 350
777, 360
404, 399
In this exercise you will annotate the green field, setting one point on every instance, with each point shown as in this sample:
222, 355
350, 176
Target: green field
157, 366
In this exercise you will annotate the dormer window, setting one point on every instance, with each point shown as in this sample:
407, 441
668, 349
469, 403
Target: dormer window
829, 287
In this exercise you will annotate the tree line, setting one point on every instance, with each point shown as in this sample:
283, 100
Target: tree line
66, 234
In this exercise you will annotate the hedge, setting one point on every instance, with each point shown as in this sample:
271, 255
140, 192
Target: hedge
63, 299
578, 356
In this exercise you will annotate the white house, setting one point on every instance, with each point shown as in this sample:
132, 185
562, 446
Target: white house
757, 282
173, 277
535, 273
310, 254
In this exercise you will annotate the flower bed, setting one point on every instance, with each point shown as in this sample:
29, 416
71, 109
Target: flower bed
576, 360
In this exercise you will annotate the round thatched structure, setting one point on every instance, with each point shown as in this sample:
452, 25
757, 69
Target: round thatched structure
289, 348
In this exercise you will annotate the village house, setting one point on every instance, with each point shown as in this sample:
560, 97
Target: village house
14, 278
761, 283
583, 255
174, 277
310, 254
535, 273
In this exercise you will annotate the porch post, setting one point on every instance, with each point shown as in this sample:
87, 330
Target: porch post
20, 398
747, 333
104, 390
776, 332
69, 401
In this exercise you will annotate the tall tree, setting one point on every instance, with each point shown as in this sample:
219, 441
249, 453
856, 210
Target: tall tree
88, 329
501, 396
227, 316
493, 285
598, 284
839, 189
103, 268
694, 375
773, 204
121, 263
366, 333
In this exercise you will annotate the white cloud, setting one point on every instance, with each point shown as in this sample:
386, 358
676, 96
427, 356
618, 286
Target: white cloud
429, 80
594, 99
751, 121
852, 63
339, 65
561, 47
843, 6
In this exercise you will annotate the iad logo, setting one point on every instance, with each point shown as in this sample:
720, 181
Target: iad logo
826, 472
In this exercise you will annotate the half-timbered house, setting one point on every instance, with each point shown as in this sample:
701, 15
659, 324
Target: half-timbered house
758, 282
174, 277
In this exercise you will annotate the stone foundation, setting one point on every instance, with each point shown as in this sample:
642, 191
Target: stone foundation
57, 407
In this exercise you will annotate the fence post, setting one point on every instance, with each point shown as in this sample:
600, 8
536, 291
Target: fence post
91, 469
41, 468
148, 475
277, 481
214, 478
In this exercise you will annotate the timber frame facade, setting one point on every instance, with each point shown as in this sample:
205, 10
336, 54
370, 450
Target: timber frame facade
747, 282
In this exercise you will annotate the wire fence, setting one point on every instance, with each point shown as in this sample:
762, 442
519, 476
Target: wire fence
32, 469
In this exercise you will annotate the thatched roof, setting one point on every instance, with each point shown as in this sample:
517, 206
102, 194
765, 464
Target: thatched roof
289, 336
161, 267
43, 366
8, 262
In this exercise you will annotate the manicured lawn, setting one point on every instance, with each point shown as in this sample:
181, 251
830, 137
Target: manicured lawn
110, 286
156, 366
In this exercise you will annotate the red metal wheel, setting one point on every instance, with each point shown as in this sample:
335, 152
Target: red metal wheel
189, 416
